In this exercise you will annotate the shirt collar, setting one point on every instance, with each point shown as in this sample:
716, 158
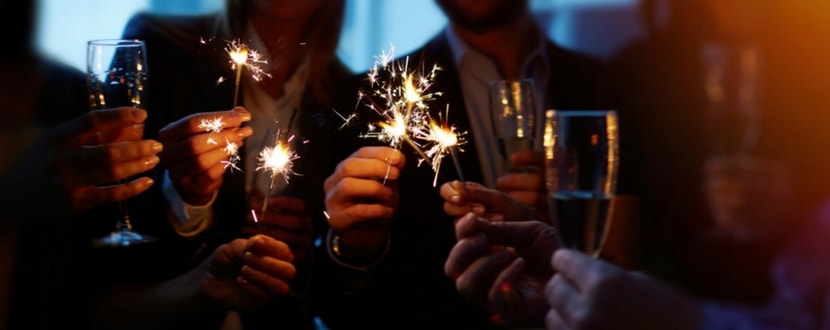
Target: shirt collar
460, 49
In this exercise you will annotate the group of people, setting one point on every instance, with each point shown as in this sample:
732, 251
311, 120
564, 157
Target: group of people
361, 238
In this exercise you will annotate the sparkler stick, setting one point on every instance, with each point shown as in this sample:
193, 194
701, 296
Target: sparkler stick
243, 56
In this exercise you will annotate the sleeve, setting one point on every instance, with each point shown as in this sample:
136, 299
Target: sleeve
187, 220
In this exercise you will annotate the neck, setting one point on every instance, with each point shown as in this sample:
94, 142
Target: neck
284, 40
507, 46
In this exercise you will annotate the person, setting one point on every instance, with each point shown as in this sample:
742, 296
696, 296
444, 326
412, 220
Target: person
207, 199
57, 171
733, 184
514, 266
388, 236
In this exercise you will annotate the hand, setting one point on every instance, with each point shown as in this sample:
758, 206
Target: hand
286, 219
525, 181
76, 165
358, 204
503, 266
246, 274
194, 157
492, 204
747, 196
588, 293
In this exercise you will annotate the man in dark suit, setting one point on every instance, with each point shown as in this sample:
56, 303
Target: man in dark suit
388, 242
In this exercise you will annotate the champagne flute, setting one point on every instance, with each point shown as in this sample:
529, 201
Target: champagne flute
581, 160
117, 77
513, 113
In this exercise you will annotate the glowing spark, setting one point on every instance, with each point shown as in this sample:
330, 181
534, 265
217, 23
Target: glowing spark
279, 160
347, 120
220, 80
232, 149
441, 139
214, 125
242, 56
399, 95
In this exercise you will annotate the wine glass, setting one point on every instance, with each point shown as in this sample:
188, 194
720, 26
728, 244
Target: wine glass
117, 77
513, 113
581, 160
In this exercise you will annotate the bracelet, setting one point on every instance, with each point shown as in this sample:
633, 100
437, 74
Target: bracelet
336, 253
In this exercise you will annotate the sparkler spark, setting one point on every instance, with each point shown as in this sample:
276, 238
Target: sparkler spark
441, 139
214, 126
278, 160
242, 56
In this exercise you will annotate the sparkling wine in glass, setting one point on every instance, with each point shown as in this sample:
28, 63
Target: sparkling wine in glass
581, 160
117, 77
513, 113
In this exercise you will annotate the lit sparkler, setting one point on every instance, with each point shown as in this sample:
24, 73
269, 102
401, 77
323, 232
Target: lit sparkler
214, 126
279, 161
399, 95
441, 139
243, 56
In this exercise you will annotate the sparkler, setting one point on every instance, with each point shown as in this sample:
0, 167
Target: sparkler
399, 95
242, 56
214, 126
441, 139
279, 161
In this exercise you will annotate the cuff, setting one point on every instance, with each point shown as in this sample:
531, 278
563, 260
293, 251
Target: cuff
720, 317
188, 220
333, 248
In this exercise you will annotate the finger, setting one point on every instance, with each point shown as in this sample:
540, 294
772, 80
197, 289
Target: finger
258, 294
271, 247
528, 158
199, 123
503, 295
516, 233
386, 154
348, 190
293, 239
578, 268
475, 282
273, 267
96, 156
362, 168
489, 198
466, 251
520, 181
264, 281
112, 173
92, 196
564, 298
531, 199
554, 322
204, 142
112, 135
99, 120
466, 226
195, 164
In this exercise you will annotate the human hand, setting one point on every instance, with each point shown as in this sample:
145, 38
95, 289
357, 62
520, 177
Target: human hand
76, 165
525, 180
194, 157
286, 219
358, 205
588, 293
462, 198
503, 266
748, 197
246, 274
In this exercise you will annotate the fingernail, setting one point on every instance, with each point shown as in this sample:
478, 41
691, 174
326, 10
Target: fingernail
479, 209
152, 161
245, 132
156, 147
139, 115
239, 279
455, 199
148, 182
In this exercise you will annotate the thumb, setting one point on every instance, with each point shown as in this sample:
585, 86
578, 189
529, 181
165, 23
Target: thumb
528, 158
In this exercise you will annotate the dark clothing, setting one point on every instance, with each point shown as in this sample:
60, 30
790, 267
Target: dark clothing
186, 58
409, 289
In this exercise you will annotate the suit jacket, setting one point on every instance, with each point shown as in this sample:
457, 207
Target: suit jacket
408, 289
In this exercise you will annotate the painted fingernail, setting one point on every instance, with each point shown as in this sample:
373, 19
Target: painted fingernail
139, 115
152, 161
156, 147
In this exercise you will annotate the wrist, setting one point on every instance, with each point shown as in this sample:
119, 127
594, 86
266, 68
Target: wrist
358, 249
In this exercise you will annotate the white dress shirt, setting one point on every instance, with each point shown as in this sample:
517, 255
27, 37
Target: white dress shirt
475, 71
